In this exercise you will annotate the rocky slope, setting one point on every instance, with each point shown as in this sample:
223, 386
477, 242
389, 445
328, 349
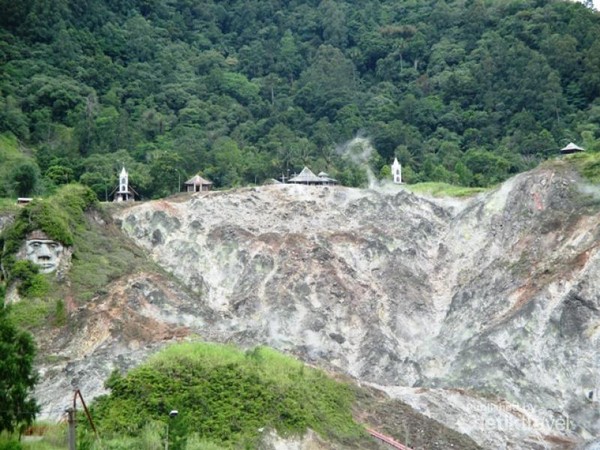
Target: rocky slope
481, 313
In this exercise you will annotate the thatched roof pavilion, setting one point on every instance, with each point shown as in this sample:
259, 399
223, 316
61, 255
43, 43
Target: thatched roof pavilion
571, 148
308, 177
198, 184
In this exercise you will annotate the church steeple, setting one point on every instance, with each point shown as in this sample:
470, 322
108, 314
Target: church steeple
123, 194
397, 171
123, 181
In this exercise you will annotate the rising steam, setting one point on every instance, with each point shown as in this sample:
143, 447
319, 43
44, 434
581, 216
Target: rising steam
359, 151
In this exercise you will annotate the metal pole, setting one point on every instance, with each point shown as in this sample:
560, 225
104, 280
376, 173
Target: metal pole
167, 441
71, 422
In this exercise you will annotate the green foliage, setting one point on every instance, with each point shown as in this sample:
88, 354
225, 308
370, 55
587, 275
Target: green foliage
59, 174
100, 171
18, 172
52, 437
30, 314
23, 270
101, 256
46, 216
224, 396
8, 206
25, 178
17, 376
588, 165
10, 444
60, 313
31, 284
195, 442
472, 92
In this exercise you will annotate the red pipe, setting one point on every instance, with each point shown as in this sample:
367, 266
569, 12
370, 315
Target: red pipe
387, 439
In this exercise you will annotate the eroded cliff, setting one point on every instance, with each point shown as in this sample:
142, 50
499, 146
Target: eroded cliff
482, 313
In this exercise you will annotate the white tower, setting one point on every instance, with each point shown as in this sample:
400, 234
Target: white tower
123, 194
397, 171
123, 181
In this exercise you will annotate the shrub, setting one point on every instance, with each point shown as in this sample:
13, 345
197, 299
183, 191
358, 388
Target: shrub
10, 445
225, 396
31, 283
30, 314
588, 164
60, 313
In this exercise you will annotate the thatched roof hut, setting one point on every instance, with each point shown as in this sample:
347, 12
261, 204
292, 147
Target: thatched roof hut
308, 177
571, 148
198, 184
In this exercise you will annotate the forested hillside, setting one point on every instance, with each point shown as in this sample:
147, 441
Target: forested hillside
465, 91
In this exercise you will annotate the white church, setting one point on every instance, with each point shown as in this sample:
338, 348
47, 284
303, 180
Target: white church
123, 193
397, 171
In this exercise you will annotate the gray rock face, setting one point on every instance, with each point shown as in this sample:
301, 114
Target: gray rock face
481, 313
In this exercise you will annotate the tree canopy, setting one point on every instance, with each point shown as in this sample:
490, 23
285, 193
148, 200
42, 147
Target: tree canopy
17, 377
466, 92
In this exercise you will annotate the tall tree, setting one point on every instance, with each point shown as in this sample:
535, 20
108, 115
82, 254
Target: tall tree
329, 83
17, 377
25, 179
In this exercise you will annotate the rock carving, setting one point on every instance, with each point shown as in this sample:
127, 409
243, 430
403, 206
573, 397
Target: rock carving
43, 251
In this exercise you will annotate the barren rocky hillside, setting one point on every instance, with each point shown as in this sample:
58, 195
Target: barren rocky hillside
481, 313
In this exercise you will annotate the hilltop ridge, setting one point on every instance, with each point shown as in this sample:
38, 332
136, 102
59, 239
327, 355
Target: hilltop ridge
466, 92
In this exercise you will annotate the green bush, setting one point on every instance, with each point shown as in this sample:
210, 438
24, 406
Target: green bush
591, 170
32, 284
587, 164
10, 445
60, 313
225, 396
29, 314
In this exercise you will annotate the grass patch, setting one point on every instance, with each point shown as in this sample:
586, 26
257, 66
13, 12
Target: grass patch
101, 255
30, 314
587, 164
8, 206
40, 436
42, 445
225, 397
437, 189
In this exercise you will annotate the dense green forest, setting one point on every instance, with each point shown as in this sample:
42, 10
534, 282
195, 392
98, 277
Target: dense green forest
465, 91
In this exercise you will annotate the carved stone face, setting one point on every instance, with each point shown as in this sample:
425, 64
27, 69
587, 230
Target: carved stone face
45, 253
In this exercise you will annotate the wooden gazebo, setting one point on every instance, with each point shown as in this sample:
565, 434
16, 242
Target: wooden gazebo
198, 184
